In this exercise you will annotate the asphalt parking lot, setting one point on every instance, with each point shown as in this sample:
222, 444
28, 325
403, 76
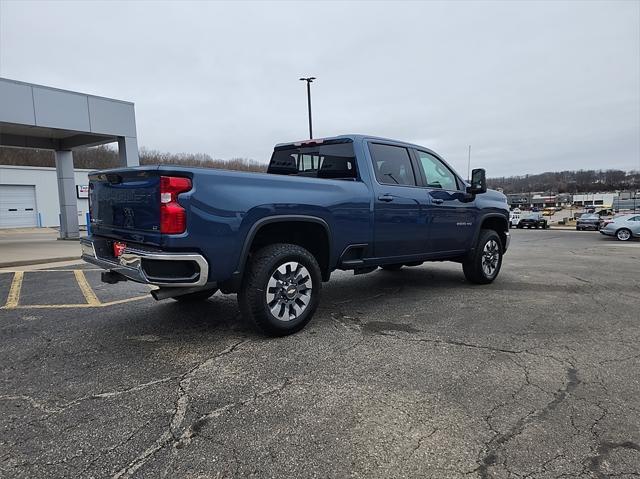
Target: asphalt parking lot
407, 374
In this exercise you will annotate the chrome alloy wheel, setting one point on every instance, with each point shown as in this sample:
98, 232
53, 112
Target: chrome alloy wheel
623, 234
289, 291
490, 258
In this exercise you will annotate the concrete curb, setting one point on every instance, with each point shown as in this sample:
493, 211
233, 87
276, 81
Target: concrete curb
30, 262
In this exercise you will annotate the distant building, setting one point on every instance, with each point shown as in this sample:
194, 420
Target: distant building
29, 196
518, 200
604, 200
538, 200
627, 201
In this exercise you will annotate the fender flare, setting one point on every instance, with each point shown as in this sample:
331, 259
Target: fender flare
237, 275
481, 220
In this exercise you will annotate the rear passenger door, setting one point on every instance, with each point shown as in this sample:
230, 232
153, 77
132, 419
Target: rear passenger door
450, 217
400, 227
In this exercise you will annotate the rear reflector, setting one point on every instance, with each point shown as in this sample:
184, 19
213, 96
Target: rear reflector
173, 217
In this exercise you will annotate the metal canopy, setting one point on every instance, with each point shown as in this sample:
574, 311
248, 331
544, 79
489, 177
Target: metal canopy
36, 116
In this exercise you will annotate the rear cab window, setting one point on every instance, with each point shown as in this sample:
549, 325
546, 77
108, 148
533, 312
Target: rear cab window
333, 159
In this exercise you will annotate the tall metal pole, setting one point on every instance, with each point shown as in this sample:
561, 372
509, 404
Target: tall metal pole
469, 165
309, 80
309, 109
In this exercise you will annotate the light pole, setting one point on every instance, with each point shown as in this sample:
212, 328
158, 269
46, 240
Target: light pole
309, 80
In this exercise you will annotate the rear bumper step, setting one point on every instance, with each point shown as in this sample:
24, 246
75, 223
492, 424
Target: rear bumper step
177, 270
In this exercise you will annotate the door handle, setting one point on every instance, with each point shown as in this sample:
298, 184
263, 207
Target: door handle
386, 198
437, 201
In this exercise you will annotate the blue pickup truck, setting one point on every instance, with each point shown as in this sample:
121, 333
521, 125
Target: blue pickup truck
350, 202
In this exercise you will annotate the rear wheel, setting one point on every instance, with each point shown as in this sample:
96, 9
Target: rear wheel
623, 234
281, 289
197, 296
392, 267
483, 265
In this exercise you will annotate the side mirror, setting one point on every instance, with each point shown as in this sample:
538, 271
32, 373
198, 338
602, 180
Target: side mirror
478, 182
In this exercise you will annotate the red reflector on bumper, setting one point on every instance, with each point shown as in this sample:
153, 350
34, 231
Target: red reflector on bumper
118, 248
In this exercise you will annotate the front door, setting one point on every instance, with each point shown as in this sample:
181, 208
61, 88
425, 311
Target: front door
449, 214
400, 227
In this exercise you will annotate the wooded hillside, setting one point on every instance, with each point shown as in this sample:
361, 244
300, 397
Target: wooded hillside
569, 181
105, 157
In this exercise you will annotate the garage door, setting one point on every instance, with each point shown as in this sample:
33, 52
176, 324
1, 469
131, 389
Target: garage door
18, 206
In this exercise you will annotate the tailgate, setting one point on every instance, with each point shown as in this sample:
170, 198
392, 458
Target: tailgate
125, 204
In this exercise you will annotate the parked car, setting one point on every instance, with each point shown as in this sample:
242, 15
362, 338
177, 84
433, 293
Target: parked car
623, 227
588, 221
349, 202
532, 219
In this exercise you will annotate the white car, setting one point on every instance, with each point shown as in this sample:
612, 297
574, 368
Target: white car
623, 227
514, 218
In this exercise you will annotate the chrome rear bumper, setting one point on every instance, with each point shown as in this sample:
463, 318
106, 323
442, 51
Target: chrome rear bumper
507, 241
131, 264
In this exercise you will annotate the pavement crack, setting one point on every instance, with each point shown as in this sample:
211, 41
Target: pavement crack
177, 417
196, 426
496, 443
419, 443
452, 342
36, 404
594, 463
33, 402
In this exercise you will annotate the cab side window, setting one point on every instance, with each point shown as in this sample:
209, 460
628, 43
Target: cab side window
392, 165
436, 173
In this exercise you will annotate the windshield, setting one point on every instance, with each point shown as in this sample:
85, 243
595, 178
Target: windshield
335, 161
589, 216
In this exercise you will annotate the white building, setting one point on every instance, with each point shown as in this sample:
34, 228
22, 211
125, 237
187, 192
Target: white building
29, 196
595, 199
45, 118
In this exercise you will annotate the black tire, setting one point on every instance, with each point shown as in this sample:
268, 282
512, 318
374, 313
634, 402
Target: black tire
623, 234
392, 267
197, 296
262, 268
473, 265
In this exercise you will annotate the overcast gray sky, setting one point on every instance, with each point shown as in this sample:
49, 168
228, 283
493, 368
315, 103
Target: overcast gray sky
532, 86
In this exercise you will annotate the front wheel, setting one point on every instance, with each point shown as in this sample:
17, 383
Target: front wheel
623, 234
483, 265
281, 289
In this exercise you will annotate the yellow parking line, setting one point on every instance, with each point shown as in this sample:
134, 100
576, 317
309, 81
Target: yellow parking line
89, 295
126, 300
14, 292
83, 305
44, 270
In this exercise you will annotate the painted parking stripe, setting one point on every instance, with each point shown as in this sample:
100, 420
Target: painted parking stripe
88, 293
14, 292
82, 305
92, 300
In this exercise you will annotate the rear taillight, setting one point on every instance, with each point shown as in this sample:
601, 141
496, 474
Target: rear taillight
173, 217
